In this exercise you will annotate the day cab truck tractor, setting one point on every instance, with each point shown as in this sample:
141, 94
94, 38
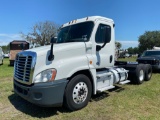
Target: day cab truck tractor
79, 64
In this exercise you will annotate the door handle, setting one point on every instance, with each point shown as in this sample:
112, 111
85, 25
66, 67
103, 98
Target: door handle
111, 58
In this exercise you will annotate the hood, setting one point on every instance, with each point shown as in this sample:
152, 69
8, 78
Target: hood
57, 48
149, 58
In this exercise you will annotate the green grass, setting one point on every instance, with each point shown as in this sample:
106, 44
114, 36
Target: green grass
5, 69
128, 59
128, 102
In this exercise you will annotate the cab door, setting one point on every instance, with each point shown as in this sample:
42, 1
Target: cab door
104, 45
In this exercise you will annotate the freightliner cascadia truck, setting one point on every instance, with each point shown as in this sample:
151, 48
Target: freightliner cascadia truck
79, 63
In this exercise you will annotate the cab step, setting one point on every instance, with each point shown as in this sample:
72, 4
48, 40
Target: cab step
105, 88
124, 82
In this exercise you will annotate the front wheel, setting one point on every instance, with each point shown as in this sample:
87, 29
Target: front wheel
78, 92
1, 63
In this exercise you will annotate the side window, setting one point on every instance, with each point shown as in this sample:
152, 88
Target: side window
103, 34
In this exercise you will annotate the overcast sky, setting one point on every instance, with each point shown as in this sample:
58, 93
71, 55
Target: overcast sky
132, 17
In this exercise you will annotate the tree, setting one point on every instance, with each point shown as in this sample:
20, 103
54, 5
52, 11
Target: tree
134, 50
41, 33
5, 48
118, 45
130, 50
148, 40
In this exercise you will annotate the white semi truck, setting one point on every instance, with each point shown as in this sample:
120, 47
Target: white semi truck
80, 63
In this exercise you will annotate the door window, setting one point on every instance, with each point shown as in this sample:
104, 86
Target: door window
103, 34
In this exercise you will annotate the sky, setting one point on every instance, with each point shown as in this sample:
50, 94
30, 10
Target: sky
132, 17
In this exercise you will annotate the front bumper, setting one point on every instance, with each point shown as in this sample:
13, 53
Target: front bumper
155, 67
43, 94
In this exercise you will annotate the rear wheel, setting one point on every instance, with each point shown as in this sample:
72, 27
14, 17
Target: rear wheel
140, 74
148, 72
78, 92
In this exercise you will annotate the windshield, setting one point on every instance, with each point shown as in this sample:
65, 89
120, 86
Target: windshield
75, 33
151, 53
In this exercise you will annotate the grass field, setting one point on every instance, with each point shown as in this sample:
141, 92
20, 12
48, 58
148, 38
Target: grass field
128, 102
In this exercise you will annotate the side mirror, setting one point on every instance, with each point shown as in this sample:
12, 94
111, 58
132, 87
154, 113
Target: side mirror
105, 32
51, 56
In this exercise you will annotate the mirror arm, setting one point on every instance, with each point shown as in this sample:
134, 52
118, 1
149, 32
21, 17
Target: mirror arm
103, 45
51, 56
98, 48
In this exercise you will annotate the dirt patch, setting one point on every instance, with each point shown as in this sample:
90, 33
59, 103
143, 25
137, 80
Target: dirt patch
6, 79
5, 109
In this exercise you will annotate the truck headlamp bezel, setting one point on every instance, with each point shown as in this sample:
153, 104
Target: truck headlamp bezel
45, 76
157, 62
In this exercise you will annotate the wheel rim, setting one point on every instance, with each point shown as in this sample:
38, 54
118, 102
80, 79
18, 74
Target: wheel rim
141, 75
80, 92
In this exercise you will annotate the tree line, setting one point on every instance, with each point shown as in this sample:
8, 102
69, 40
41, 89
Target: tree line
41, 33
5, 48
147, 41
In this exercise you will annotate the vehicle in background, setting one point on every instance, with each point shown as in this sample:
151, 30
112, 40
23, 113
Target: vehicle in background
151, 57
6, 55
1, 56
119, 53
15, 47
128, 55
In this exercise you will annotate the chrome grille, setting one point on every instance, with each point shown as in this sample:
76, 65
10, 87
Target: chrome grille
23, 68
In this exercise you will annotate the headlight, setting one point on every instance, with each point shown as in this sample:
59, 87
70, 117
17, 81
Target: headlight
157, 62
45, 76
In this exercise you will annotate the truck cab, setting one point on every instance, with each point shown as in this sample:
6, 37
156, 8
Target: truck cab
79, 63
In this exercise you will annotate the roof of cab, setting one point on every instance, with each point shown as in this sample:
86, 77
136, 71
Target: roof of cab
90, 18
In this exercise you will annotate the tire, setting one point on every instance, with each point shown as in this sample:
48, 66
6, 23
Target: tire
1, 63
139, 74
78, 92
10, 63
148, 72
